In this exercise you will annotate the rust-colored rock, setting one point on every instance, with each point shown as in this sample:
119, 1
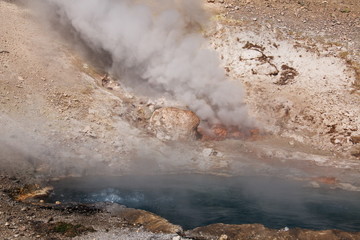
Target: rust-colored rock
174, 124
29, 192
219, 132
149, 221
326, 180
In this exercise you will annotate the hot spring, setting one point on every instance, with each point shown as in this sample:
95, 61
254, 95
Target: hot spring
197, 200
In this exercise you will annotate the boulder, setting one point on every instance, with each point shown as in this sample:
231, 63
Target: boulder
355, 139
355, 151
171, 123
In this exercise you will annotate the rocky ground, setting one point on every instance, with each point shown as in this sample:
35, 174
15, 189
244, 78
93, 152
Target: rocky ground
61, 116
299, 63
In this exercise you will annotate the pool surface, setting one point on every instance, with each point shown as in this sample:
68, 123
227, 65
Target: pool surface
197, 200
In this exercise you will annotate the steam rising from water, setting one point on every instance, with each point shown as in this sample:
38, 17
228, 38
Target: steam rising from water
160, 43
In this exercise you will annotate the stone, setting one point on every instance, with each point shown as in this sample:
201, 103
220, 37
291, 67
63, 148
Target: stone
355, 151
249, 54
174, 124
29, 192
149, 221
355, 139
223, 237
207, 152
267, 69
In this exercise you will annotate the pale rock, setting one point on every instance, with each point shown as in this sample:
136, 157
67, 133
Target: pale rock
171, 123
250, 54
314, 184
86, 129
223, 237
349, 187
219, 154
265, 69
207, 152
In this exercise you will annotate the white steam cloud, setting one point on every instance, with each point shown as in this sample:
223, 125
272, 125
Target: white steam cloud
156, 40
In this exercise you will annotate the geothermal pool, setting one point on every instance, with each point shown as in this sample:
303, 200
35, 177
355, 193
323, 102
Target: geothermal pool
197, 200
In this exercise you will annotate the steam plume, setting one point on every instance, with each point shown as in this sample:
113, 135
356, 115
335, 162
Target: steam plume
156, 41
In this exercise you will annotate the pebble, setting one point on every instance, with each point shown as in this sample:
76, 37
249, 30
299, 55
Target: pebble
50, 219
22, 228
223, 237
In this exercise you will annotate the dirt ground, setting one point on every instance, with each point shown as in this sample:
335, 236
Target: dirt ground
57, 119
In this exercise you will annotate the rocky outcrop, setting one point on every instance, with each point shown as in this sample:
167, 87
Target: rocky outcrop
149, 221
171, 123
355, 151
258, 231
30, 192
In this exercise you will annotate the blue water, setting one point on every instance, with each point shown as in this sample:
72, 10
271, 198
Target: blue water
197, 200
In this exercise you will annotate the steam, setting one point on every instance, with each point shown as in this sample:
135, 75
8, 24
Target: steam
160, 43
